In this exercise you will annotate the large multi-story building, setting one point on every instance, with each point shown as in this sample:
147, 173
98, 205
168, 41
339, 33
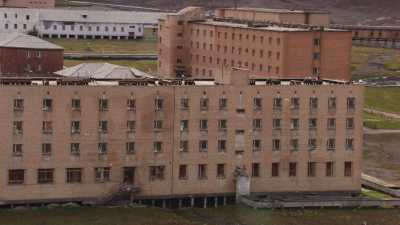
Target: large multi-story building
28, 3
67, 23
25, 55
70, 140
309, 17
192, 46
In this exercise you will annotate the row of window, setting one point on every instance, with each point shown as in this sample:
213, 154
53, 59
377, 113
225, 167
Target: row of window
330, 168
75, 148
204, 102
233, 36
222, 125
27, 17
7, 26
103, 174
233, 50
90, 28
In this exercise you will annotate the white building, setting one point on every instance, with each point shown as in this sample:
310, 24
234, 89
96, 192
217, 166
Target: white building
65, 23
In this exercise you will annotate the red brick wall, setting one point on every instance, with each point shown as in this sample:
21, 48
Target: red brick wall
15, 61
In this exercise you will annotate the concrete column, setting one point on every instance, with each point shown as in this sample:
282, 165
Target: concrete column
110, 37
224, 201
153, 202
179, 203
216, 202
191, 202
164, 204
205, 202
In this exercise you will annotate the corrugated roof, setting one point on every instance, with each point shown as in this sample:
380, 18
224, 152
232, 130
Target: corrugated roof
19, 40
98, 16
102, 71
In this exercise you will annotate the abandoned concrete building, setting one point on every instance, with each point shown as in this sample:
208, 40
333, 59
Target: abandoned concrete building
192, 46
66, 139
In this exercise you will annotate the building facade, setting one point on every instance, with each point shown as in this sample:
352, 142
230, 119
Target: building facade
25, 55
28, 3
309, 17
192, 46
64, 23
185, 138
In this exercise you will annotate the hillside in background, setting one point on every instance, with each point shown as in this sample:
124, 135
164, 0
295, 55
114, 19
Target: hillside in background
371, 12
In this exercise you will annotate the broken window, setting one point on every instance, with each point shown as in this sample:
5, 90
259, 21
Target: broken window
74, 175
257, 103
312, 167
275, 169
204, 104
183, 172
292, 169
256, 145
47, 104
313, 103
276, 145
277, 103
202, 171
130, 148
223, 103
102, 148
47, 127
330, 168
17, 150
45, 176
75, 149
184, 125
18, 104
255, 170
18, 127
103, 104
184, 146
350, 123
349, 144
312, 123
75, 127
157, 173
331, 144
257, 124
348, 167
221, 145
351, 104
295, 103
102, 174
103, 126
221, 170
76, 104
157, 146
332, 103
46, 149
203, 146
16, 176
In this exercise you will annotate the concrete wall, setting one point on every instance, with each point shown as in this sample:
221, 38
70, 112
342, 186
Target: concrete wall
170, 135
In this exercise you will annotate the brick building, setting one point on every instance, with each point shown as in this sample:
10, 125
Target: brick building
69, 140
25, 55
28, 3
193, 46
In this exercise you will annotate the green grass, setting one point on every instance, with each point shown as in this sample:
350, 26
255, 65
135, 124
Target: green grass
375, 194
393, 64
360, 57
221, 216
383, 99
145, 46
149, 66
379, 122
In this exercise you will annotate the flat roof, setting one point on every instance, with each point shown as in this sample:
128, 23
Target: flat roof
90, 16
263, 26
153, 82
268, 10
19, 40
